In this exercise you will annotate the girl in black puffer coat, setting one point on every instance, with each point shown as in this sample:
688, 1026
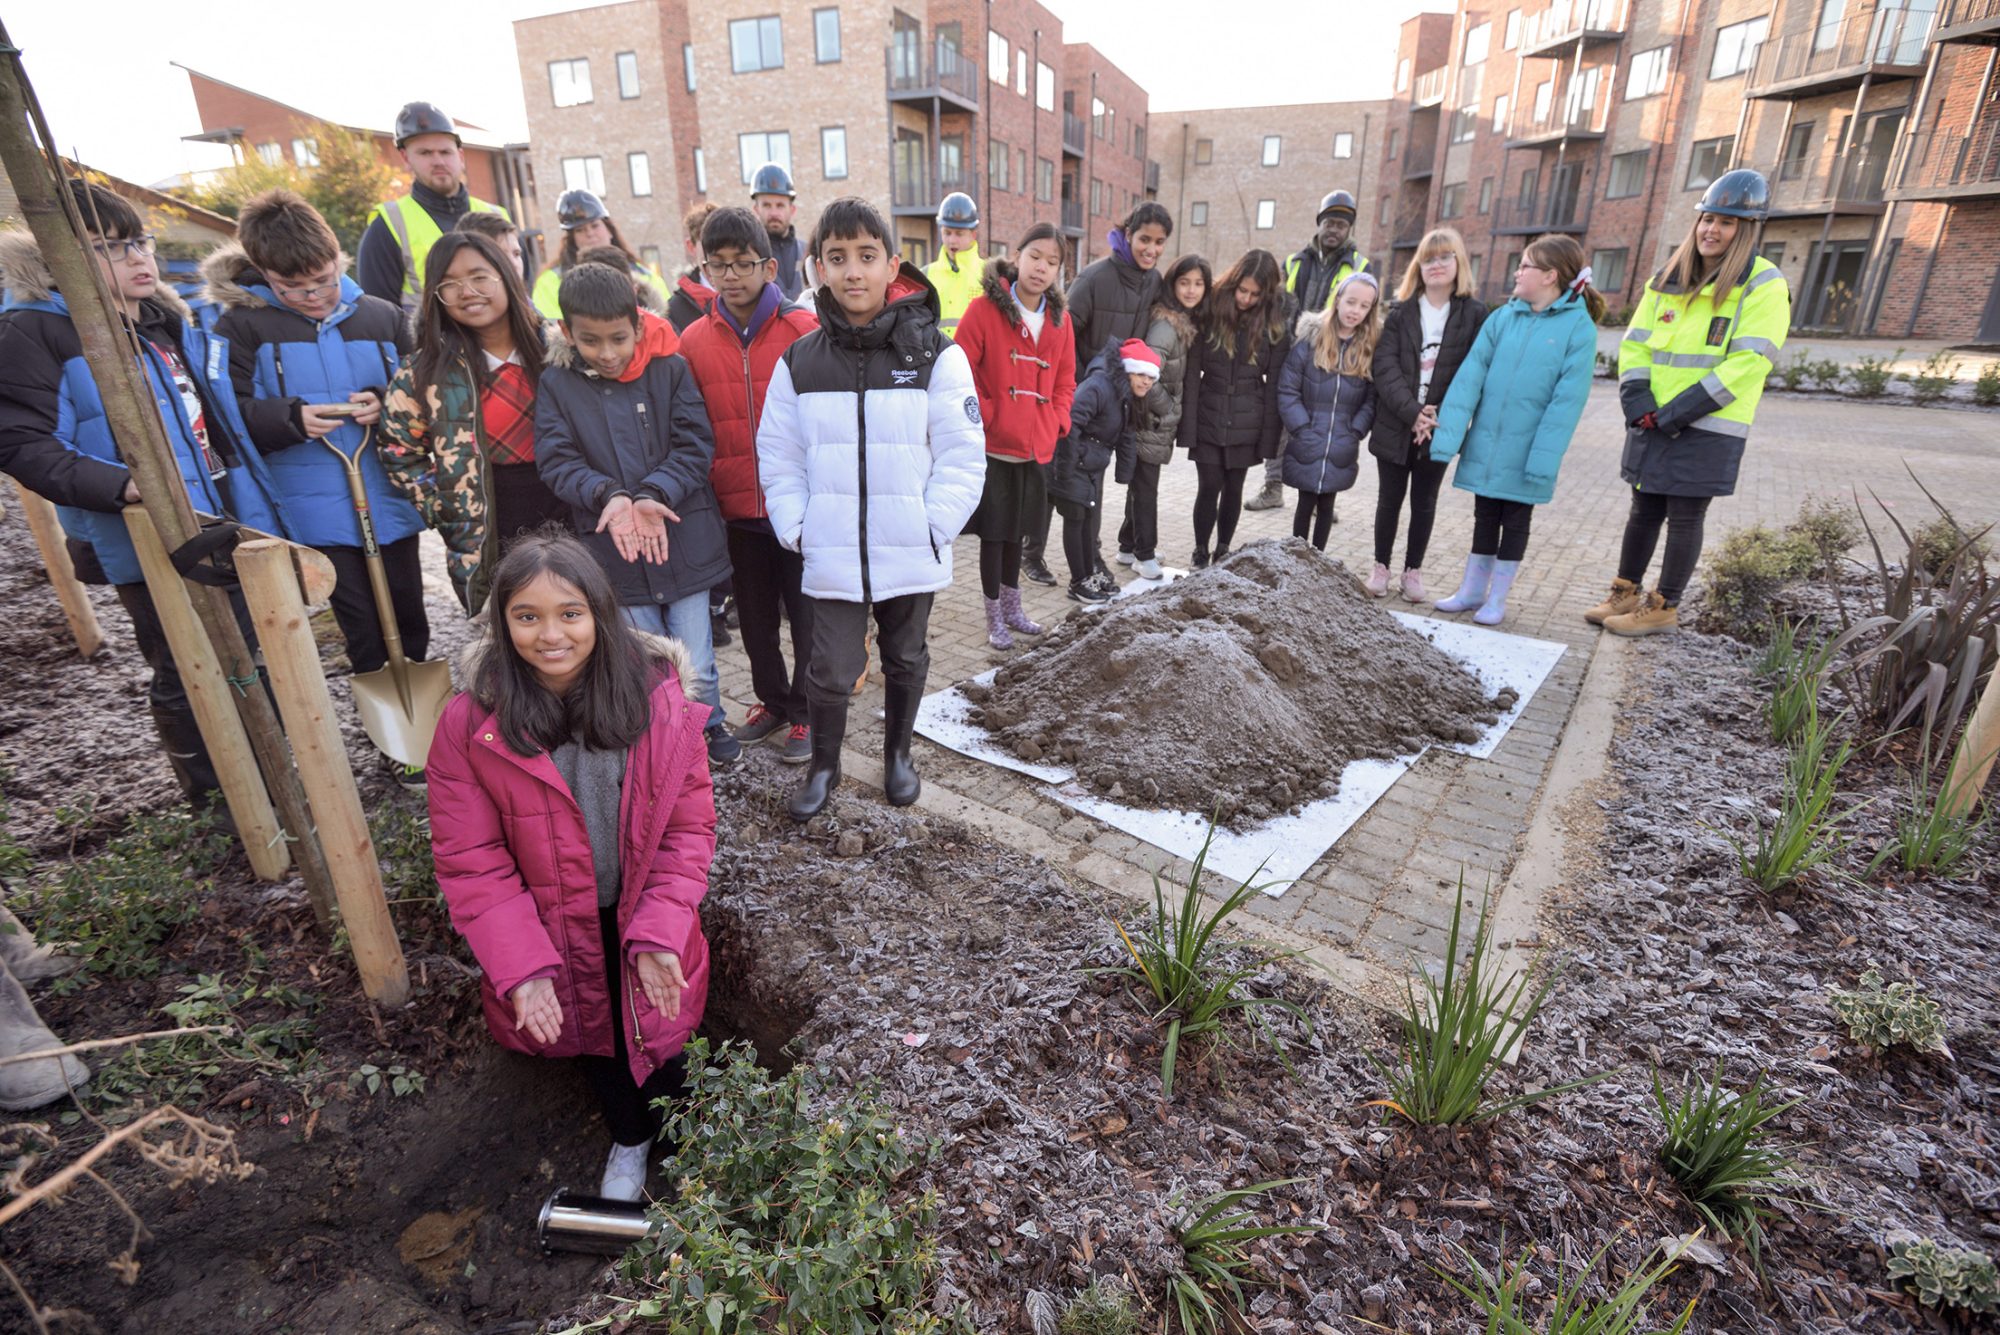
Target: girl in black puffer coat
1236, 363
1327, 401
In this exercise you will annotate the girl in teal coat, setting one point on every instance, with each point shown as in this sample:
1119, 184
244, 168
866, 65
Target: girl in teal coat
1511, 411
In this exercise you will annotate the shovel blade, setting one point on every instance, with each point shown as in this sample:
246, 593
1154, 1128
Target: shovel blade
403, 734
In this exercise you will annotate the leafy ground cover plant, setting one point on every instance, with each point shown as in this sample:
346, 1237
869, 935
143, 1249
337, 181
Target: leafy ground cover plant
1879, 1015
1945, 1277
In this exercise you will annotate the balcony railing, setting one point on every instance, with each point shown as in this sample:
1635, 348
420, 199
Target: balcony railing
1951, 164
1072, 217
1967, 21
1420, 156
1565, 22
1076, 134
921, 189
1552, 210
1410, 225
1852, 183
1885, 43
1561, 123
947, 75
1429, 88
1152, 178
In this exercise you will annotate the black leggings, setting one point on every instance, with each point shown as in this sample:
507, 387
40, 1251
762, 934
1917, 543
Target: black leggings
1315, 512
1683, 516
1218, 503
1500, 528
628, 1106
1081, 526
999, 567
1421, 481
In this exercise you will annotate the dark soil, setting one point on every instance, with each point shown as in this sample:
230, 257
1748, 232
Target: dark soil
1244, 688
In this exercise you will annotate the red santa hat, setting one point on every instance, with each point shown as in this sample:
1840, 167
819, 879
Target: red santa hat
1139, 358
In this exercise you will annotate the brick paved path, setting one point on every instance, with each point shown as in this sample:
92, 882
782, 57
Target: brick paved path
1386, 887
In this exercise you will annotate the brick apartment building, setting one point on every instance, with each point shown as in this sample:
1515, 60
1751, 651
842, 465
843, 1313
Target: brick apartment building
1242, 177
1877, 124
655, 104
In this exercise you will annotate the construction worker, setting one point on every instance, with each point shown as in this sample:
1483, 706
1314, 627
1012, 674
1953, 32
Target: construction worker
957, 270
1311, 278
402, 230
775, 203
1691, 369
586, 225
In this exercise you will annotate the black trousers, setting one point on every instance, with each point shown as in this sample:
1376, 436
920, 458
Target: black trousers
1140, 533
522, 502
354, 603
628, 1106
1218, 503
1500, 528
767, 590
1420, 481
1684, 518
173, 713
1314, 517
1036, 540
999, 567
840, 651
1082, 525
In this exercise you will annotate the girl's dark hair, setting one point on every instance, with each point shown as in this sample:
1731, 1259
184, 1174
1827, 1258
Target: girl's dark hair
567, 256
1224, 320
1040, 232
1147, 211
851, 218
1180, 269
441, 340
609, 707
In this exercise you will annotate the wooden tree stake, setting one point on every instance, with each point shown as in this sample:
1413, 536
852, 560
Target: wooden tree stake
1977, 747
82, 617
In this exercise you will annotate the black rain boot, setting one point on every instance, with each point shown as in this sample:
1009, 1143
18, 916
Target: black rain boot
829, 730
900, 783
187, 754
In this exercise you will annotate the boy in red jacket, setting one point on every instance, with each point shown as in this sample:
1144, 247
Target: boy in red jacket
733, 348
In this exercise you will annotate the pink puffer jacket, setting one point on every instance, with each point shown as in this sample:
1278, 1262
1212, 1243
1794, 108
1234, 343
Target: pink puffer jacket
513, 859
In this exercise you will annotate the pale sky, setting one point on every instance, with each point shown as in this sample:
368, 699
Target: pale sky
101, 67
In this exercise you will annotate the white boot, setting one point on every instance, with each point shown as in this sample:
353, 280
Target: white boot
1472, 589
625, 1173
23, 958
31, 1084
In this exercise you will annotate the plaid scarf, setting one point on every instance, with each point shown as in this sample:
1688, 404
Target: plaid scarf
507, 411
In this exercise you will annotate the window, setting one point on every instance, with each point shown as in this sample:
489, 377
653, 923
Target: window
1464, 124
1045, 87
826, 35
272, 153
754, 150
628, 74
1478, 261
650, 257
305, 152
1773, 251
1628, 174
996, 58
1403, 75
1798, 151
1395, 139
1204, 152
1096, 118
1513, 263
1709, 160
1343, 145
1511, 36
1272, 144
1045, 180
1477, 38
1451, 200
641, 171
756, 44
1139, 141
1021, 170
1827, 35
998, 158
1382, 211
1021, 72
1501, 106
1607, 270
700, 173
1544, 102
1267, 214
1582, 95
1736, 47
584, 174
569, 82
833, 152
1530, 182
687, 61
1096, 196
1649, 73
1198, 213
1486, 194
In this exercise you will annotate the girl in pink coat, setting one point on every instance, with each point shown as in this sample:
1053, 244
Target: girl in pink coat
572, 823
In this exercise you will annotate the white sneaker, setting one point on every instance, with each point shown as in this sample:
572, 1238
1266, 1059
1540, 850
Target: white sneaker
1126, 558
1149, 568
624, 1173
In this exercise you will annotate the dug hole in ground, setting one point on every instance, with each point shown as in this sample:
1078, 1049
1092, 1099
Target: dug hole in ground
1038, 1073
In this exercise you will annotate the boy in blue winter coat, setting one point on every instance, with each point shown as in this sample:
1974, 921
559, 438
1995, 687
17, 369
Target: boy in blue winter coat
54, 436
873, 457
1326, 399
310, 356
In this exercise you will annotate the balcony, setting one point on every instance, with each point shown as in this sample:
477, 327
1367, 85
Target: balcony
1835, 57
947, 78
1076, 134
1410, 225
917, 190
1850, 184
1072, 217
1429, 88
1420, 157
1558, 29
1152, 179
1572, 125
1972, 21
1555, 210
1951, 164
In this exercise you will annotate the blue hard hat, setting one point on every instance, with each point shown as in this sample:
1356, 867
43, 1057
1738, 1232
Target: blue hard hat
1742, 193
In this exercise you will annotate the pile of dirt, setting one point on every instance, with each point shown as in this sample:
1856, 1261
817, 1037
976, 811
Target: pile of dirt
1243, 689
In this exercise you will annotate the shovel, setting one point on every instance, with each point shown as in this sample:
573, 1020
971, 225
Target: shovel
399, 704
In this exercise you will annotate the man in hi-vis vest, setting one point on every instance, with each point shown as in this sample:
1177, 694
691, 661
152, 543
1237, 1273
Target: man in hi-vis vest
401, 231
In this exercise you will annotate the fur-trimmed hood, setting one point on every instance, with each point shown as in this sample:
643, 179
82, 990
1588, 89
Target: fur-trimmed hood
467, 662
27, 278
997, 285
656, 339
1181, 320
1307, 328
232, 282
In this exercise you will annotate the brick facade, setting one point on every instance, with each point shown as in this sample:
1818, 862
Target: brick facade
1110, 178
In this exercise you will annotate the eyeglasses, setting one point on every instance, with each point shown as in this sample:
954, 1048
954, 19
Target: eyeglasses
741, 268
295, 292
1440, 259
465, 289
116, 251
1525, 267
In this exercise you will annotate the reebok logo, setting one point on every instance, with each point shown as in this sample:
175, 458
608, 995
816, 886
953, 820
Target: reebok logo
903, 377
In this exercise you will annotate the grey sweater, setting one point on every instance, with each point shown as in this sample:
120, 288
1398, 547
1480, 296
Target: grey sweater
596, 779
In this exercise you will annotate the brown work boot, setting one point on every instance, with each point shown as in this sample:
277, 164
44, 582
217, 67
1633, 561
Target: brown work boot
1624, 598
1652, 617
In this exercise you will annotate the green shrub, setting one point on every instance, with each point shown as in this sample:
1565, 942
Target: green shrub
787, 1217
1986, 389
1879, 1016
1212, 1232
1715, 1150
1793, 374
1803, 836
1752, 568
1955, 1277
1827, 525
1938, 542
1826, 374
1499, 1298
1934, 380
1794, 668
1930, 836
1870, 376
1105, 1308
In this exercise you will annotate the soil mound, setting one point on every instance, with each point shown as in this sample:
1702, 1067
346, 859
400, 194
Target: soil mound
1243, 689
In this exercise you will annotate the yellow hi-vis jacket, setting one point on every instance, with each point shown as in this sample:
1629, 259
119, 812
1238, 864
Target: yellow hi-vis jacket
416, 232
1698, 361
548, 287
956, 278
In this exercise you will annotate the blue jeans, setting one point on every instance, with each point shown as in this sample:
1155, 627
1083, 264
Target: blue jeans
686, 620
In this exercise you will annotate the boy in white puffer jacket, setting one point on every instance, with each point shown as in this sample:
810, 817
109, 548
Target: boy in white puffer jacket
872, 457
